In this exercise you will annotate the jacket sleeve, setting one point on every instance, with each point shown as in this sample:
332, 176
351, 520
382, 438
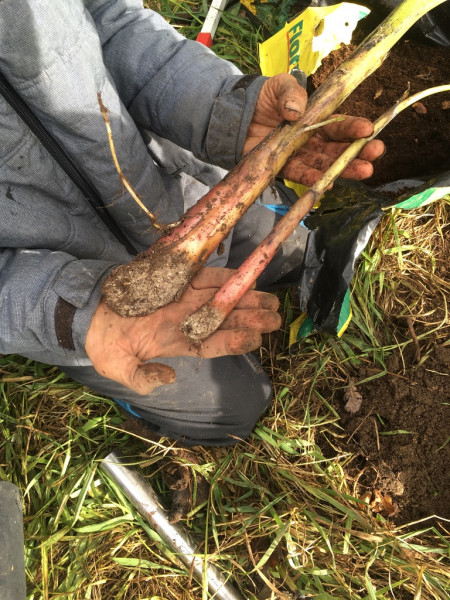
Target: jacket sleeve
47, 302
175, 87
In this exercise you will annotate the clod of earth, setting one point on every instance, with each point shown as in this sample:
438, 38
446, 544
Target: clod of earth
151, 280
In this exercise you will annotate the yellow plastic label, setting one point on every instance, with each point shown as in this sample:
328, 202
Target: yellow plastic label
250, 5
303, 42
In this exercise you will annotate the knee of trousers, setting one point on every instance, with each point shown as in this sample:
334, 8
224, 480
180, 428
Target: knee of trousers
214, 402
255, 225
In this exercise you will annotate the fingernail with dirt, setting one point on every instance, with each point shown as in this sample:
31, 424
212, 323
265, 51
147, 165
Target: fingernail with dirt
158, 373
292, 106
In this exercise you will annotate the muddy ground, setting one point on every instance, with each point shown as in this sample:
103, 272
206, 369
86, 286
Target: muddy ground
417, 140
401, 433
400, 436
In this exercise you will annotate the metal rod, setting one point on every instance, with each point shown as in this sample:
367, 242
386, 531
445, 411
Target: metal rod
12, 569
145, 500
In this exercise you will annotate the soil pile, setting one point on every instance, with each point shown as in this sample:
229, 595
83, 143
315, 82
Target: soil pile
418, 140
401, 436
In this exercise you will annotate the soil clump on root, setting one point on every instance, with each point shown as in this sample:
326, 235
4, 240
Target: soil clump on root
143, 285
198, 326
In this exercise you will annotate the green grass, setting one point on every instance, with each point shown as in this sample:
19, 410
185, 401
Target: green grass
236, 38
282, 510
279, 509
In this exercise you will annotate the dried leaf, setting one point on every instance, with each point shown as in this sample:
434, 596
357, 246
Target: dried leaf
366, 497
428, 75
353, 399
378, 92
382, 503
445, 105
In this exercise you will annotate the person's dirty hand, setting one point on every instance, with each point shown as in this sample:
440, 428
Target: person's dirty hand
120, 346
282, 99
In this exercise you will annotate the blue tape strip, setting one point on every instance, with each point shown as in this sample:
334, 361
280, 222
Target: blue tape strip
127, 407
280, 209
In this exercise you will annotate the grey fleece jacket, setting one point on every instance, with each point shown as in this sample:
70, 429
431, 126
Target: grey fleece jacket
55, 250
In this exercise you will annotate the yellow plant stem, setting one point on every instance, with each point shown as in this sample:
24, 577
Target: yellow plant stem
123, 178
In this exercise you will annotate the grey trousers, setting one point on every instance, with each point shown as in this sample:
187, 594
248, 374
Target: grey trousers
213, 401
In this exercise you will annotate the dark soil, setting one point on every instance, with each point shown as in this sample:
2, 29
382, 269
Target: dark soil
417, 143
401, 433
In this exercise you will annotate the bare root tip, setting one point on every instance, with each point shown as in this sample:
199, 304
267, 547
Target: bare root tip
201, 324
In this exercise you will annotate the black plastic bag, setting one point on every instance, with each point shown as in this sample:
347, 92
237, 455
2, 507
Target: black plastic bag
340, 230
433, 27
